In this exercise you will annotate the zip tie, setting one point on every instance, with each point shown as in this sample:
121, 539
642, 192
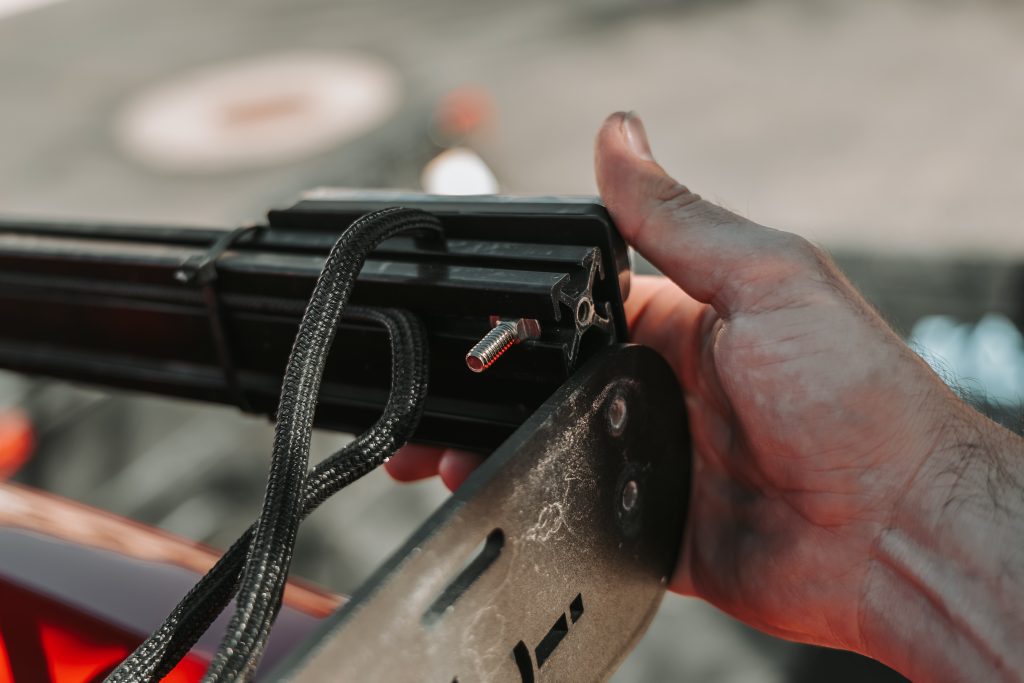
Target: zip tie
201, 269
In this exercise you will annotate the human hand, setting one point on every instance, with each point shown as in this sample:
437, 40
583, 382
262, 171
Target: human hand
811, 420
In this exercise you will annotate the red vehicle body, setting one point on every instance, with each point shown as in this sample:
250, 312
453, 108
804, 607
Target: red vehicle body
81, 588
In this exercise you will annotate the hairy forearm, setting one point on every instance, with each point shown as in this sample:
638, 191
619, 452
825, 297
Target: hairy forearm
944, 597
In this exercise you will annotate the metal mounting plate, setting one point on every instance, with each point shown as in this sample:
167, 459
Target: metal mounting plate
549, 562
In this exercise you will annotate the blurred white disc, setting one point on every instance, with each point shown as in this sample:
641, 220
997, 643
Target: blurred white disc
458, 171
256, 113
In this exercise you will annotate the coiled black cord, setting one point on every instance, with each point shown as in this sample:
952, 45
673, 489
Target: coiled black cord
266, 548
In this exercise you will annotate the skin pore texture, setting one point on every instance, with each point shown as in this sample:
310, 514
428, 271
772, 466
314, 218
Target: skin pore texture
842, 494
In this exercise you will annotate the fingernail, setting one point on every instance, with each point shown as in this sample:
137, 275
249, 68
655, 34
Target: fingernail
636, 136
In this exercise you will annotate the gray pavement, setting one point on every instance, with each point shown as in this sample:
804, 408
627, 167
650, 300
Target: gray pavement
873, 124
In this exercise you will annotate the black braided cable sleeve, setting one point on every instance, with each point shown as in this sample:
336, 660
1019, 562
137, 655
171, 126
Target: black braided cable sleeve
155, 657
289, 496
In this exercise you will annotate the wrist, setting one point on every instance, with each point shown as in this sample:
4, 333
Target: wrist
946, 573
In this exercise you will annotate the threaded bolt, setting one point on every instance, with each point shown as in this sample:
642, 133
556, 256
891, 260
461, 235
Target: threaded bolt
504, 335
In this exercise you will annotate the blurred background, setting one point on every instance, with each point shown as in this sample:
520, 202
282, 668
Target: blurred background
890, 132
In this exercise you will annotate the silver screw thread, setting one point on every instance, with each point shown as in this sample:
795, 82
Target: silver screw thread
500, 339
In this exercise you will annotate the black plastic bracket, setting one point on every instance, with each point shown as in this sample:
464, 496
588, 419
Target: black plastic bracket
105, 304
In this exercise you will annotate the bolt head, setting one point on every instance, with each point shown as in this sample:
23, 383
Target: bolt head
630, 495
584, 312
617, 415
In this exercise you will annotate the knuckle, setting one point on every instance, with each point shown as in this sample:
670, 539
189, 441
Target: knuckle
805, 254
670, 191
667, 200
672, 196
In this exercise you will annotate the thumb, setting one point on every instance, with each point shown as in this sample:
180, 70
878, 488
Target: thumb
711, 253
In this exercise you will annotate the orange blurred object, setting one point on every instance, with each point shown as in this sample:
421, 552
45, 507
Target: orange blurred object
462, 112
17, 440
